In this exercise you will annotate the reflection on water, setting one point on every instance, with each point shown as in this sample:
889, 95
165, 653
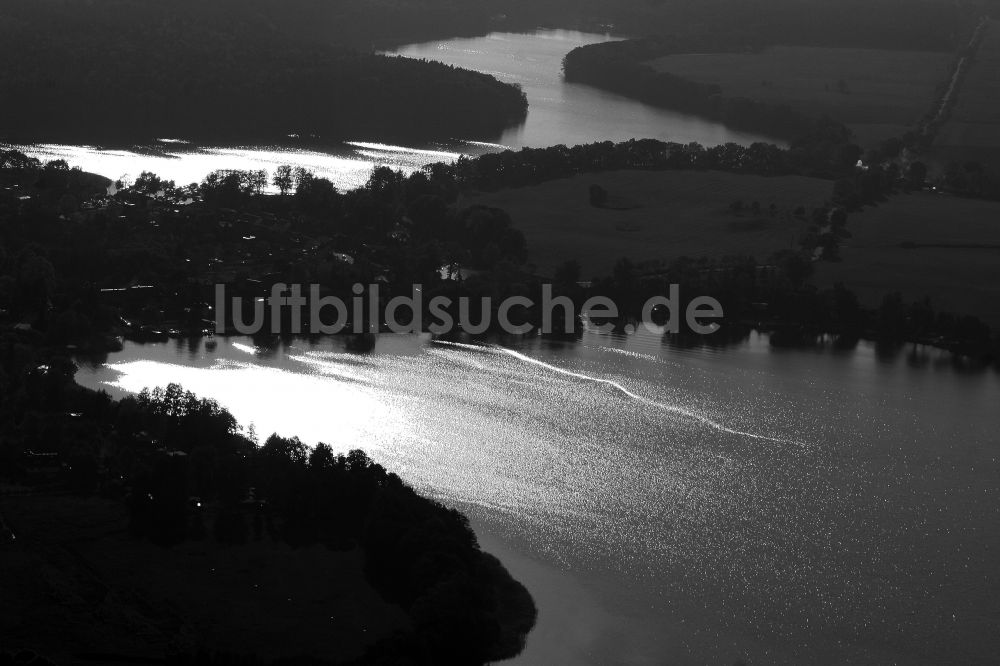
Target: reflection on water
347, 166
785, 506
559, 113
568, 113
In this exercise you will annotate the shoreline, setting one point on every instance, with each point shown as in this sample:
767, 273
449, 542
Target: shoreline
577, 623
569, 616
584, 615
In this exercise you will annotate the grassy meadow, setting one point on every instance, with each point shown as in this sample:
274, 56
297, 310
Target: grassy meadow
877, 93
656, 215
938, 246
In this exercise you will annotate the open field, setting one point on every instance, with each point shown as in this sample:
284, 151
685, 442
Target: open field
973, 131
883, 93
665, 215
75, 584
951, 254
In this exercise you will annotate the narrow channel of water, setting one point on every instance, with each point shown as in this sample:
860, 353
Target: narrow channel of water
559, 113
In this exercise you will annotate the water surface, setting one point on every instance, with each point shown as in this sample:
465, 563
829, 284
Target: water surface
667, 505
568, 113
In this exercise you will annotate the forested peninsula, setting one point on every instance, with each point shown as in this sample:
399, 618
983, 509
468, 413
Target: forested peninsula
121, 72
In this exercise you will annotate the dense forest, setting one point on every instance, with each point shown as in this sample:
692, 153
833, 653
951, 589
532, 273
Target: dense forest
121, 71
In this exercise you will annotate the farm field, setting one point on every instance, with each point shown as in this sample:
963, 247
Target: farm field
938, 246
973, 130
662, 215
877, 93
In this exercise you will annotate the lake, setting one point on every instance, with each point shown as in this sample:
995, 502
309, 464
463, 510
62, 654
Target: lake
668, 505
559, 113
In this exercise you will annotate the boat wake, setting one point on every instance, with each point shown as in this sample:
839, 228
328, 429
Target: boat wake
673, 409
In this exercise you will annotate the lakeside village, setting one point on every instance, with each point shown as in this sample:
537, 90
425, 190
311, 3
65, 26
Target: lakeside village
231, 279
92, 262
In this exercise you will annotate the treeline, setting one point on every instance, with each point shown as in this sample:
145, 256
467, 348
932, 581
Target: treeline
776, 295
217, 72
825, 151
624, 67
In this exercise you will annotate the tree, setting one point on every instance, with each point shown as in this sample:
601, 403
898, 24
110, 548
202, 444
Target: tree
302, 178
385, 184
279, 449
224, 188
321, 458
283, 179
316, 195
358, 460
254, 181
147, 183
